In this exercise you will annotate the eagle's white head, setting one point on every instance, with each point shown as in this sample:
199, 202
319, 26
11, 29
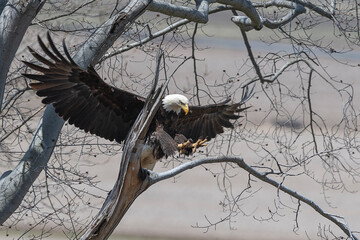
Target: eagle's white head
176, 102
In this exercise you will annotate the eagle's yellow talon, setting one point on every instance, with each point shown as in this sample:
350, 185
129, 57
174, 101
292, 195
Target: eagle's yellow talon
184, 145
199, 143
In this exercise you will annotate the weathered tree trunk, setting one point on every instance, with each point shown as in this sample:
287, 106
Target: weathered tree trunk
15, 184
15, 18
132, 180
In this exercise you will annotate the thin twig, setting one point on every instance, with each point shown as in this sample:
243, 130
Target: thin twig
251, 55
311, 112
194, 63
157, 177
160, 33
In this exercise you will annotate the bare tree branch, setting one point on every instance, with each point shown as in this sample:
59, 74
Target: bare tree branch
2, 5
160, 33
157, 177
313, 7
246, 23
132, 180
248, 48
15, 185
15, 17
67, 14
248, 9
200, 14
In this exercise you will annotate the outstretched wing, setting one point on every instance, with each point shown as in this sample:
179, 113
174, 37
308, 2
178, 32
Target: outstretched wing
207, 121
81, 96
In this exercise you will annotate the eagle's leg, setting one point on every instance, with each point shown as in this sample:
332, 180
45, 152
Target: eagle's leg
199, 143
183, 146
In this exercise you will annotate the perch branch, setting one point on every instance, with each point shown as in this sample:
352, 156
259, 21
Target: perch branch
132, 179
157, 177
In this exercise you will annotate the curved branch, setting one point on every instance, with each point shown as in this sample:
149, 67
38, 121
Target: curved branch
160, 33
246, 23
313, 7
274, 76
248, 9
157, 177
307, 4
199, 15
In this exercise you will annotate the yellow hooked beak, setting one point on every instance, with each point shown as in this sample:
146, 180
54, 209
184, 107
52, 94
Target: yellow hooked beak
185, 107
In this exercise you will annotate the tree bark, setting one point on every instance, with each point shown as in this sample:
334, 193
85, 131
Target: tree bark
2, 5
15, 18
132, 180
15, 184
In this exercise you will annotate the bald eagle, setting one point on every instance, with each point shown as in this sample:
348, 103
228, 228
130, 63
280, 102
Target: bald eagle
83, 99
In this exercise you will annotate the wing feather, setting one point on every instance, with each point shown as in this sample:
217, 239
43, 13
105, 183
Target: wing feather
81, 96
41, 58
207, 121
47, 51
